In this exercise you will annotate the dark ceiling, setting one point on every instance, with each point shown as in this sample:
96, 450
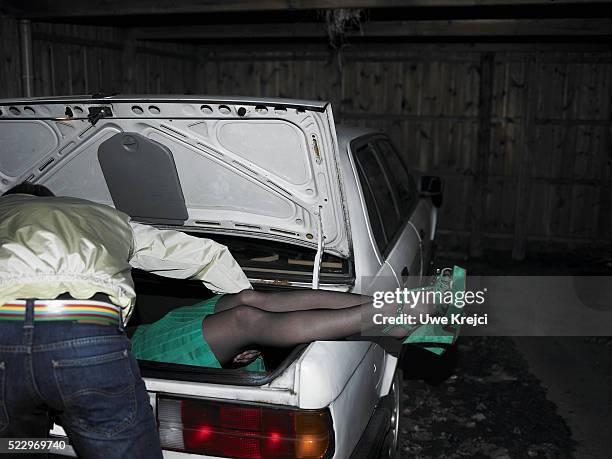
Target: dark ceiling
163, 12
298, 20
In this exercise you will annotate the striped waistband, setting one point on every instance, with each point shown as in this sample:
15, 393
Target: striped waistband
82, 311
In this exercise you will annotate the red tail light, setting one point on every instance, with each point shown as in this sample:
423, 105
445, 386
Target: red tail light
224, 429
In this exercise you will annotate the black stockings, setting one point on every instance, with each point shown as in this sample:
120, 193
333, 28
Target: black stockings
250, 319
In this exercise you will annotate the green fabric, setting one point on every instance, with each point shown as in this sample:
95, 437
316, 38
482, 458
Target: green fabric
177, 338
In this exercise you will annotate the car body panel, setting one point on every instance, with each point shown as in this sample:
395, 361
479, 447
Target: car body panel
243, 167
424, 222
325, 369
354, 406
407, 269
319, 105
411, 248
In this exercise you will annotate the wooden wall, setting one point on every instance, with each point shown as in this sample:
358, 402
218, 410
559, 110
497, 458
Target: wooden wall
10, 63
71, 59
427, 98
520, 133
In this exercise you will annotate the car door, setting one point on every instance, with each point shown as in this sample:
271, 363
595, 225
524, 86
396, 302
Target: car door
421, 212
397, 242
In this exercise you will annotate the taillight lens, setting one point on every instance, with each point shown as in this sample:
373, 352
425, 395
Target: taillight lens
223, 429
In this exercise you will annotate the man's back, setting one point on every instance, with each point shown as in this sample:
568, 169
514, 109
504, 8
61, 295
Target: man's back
52, 245
65, 289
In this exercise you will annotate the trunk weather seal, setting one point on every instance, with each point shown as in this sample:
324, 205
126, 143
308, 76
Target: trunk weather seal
234, 377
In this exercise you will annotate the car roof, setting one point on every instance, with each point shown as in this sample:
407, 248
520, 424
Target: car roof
346, 134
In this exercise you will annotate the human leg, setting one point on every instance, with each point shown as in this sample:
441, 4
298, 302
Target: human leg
22, 413
244, 327
93, 382
295, 300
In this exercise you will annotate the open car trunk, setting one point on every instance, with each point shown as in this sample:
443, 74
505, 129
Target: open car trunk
237, 170
276, 266
156, 297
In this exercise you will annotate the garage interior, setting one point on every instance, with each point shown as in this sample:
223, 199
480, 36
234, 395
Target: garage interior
508, 101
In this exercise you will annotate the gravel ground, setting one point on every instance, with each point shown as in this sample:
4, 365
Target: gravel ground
478, 402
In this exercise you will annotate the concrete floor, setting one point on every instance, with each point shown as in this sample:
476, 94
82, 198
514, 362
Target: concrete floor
576, 372
577, 376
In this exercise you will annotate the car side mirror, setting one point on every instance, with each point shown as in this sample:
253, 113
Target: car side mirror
431, 186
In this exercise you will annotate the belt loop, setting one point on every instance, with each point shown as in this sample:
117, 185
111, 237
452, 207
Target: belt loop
29, 313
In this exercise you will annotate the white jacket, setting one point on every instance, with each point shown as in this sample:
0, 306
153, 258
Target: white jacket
55, 245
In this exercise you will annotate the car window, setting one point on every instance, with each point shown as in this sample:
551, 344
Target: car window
372, 176
373, 213
402, 183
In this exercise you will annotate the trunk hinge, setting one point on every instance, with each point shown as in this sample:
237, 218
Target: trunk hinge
316, 270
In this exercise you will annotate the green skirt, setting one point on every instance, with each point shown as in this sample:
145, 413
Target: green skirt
177, 338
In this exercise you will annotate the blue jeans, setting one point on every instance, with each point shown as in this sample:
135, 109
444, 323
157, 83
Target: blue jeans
82, 375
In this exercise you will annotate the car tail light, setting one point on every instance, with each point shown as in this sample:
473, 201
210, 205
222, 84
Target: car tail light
243, 431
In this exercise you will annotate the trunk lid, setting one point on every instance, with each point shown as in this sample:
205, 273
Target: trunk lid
263, 167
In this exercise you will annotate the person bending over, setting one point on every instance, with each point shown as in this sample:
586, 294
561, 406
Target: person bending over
65, 292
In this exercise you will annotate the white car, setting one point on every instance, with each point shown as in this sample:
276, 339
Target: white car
300, 202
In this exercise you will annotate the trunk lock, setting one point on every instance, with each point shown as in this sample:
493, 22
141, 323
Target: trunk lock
97, 113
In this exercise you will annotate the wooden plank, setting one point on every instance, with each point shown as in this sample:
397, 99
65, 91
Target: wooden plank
78, 59
571, 144
336, 63
411, 82
519, 250
41, 70
128, 63
588, 242
52, 78
170, 52
510, 97
474, 118
479, 184
604, 204
190, 76
10, 61
201, 75
60, 37
25, 46
596, 51
424, 28
44, 9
